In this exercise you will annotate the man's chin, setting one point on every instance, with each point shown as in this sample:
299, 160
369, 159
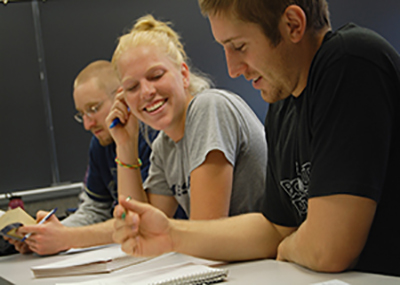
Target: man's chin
105, 142
271, 98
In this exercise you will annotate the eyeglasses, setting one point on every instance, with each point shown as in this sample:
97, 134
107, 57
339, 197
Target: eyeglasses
89, 112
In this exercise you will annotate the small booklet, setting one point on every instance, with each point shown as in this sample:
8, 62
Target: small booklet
13, 219
167, 269
103, 260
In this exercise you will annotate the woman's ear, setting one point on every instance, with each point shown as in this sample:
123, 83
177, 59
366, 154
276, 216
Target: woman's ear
295, 23
185, 75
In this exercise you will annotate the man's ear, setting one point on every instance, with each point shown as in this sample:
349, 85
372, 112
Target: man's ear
295, 23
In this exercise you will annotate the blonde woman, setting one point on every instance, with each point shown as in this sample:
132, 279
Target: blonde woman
210, 156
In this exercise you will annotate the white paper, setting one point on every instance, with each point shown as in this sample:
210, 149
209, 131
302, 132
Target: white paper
331, 282
158, 267
103, 260
103, 254
83, 249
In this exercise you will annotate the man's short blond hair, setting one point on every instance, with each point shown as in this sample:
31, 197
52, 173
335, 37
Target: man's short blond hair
103, 73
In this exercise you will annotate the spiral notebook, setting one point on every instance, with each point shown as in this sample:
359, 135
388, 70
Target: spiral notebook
167, 269
192, 274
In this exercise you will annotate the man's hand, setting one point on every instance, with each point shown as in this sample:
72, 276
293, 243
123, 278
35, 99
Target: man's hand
20, 246
141, 229
45, 239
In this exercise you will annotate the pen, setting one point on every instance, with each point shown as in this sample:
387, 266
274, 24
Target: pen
116, 121
41, 222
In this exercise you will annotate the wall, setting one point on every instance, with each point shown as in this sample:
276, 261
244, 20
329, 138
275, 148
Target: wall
74, 33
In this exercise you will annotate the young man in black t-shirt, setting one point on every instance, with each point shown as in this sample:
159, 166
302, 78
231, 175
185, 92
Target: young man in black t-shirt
333, 135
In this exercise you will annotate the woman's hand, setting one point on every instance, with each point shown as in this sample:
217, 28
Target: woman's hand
127, 131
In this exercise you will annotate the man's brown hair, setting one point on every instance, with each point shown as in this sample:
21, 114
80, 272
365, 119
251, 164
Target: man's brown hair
267, 13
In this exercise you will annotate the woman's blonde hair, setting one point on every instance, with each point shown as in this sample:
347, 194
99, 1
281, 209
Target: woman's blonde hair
149, 31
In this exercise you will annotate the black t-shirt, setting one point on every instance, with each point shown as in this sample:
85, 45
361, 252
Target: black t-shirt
341, 136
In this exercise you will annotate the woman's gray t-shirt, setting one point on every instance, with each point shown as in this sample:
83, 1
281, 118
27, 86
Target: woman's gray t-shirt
215, 120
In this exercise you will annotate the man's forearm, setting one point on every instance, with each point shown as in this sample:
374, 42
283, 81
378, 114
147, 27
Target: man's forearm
332, 236
309, 252
92, 235
243, 237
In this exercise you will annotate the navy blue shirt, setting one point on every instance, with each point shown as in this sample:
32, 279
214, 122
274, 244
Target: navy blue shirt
101, 182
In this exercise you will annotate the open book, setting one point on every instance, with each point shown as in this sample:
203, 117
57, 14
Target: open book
13, 219
167, 269
102, 260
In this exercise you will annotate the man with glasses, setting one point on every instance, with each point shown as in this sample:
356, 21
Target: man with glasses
92, 223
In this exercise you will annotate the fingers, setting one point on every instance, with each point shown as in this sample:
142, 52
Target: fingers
36, 229
123, 233
126, 232
40, 215
135, 206
23, 230
7, 238
117, 112
37, 247
10, 240
127, 229
119, 211
19, 246
130, 246
22, 247
128, 226
120, 95
27, 229
120, 90
131, 205
119, 109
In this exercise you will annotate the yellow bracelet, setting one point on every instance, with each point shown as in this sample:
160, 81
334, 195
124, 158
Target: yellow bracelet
129, 166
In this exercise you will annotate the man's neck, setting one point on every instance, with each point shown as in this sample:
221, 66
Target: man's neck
310, 48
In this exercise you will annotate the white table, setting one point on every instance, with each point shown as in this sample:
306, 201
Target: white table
16, 269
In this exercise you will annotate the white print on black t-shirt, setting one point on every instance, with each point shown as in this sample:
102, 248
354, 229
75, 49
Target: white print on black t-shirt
297, 188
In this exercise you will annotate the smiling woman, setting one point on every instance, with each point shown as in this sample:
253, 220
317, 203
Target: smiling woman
210, 155
145, 71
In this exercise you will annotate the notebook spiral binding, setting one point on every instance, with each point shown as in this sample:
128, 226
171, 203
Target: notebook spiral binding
197, 279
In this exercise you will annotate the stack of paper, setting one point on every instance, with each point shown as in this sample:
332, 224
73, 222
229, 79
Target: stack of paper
102, 260
167, 269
